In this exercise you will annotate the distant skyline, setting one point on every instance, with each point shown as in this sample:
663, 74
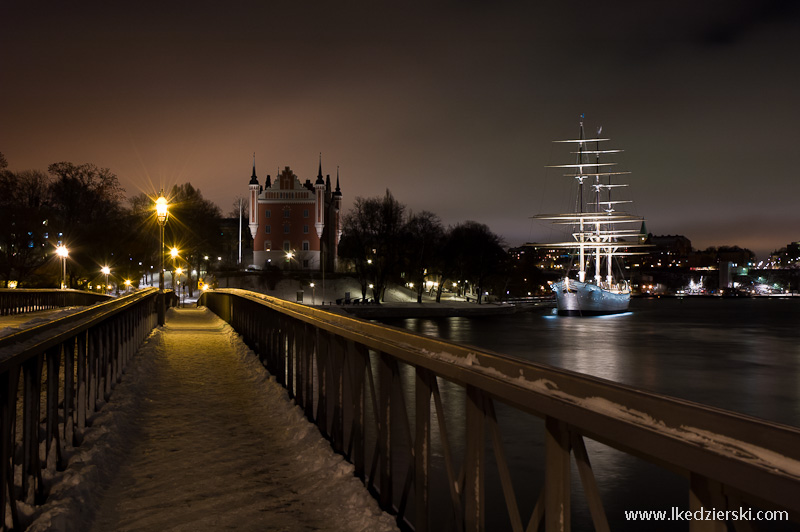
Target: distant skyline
452, 106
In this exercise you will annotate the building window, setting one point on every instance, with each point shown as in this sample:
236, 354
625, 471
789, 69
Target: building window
267, 246
286, 212
305, 229
286, 246
267, 213
305, 213
305, 263
305, 245
268, 229
285, 229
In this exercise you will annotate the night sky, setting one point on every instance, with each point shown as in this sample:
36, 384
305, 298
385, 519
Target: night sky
452, 106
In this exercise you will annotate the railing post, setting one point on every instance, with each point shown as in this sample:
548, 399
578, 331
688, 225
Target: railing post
475, 463
310, 343
8, 398
422, 449
53, 360
323, 355
358, 355
705, 494
557, 477
385, 433
82, 388
69, 390
31, 466
337, 392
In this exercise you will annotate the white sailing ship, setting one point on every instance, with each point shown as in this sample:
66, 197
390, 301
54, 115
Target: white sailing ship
601, 233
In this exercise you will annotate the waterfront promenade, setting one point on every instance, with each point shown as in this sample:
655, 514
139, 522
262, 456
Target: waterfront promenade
205, 440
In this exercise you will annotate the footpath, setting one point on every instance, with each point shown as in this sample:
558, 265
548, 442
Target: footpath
214, 443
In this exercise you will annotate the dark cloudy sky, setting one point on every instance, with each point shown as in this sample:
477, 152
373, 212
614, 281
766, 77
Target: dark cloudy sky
452, 106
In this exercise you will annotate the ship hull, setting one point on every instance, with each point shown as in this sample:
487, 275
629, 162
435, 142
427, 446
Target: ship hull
575, 298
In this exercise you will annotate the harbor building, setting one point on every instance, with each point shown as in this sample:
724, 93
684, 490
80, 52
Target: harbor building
295, 225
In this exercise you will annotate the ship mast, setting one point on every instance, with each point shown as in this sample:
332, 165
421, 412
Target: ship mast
597, 209
582, 270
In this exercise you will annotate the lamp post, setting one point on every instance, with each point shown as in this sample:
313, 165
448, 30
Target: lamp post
63, 252
162, 213
313, 295
179, 272
174, 254
106, 270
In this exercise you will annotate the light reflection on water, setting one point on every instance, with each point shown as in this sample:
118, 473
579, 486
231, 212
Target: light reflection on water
741, 355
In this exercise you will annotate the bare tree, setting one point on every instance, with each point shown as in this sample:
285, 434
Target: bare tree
372, 233
421, 248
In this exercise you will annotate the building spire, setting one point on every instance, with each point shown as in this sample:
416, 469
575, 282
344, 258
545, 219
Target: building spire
253, 178
338, 191
320, 180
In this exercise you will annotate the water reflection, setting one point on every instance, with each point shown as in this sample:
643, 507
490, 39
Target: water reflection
740, 355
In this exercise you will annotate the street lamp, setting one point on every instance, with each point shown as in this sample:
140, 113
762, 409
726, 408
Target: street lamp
106, 270
162, 214
313, 295
174, 254
63, 252
179, 272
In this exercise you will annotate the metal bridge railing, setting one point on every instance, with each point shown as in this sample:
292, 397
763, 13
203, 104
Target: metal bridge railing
372, 390
19, 301
53, 377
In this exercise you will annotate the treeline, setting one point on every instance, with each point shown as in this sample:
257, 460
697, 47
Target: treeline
385, 242
84, 208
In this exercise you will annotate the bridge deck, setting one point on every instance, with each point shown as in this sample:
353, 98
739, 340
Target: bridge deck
217, 445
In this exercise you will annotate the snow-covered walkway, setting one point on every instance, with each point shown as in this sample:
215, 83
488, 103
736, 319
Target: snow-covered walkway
215, 444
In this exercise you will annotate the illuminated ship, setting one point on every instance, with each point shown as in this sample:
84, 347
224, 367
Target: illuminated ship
600, 232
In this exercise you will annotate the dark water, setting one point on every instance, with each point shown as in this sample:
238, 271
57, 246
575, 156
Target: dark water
738, 354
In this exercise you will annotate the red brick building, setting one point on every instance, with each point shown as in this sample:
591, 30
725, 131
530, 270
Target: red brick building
295, 225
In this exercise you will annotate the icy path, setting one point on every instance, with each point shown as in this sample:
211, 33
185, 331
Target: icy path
215, 444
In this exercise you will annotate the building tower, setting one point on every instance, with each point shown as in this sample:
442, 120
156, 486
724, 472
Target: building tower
254, 192
337, 206
319, 189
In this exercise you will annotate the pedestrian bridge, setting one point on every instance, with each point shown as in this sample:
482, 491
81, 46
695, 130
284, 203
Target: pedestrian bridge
424, 423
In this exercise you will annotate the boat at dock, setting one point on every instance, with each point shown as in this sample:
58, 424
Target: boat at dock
594, 283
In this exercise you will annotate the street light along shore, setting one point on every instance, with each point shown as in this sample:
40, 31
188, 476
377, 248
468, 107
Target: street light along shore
63, 252
162, 214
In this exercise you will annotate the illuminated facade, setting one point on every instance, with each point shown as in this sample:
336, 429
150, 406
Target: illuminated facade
295, 225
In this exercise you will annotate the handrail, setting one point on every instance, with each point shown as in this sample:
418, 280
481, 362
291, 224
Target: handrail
19, 301
727, 456
69, 367
38, 338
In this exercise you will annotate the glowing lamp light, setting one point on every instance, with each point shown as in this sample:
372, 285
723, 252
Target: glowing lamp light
162, 209
174, 253
62, 251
